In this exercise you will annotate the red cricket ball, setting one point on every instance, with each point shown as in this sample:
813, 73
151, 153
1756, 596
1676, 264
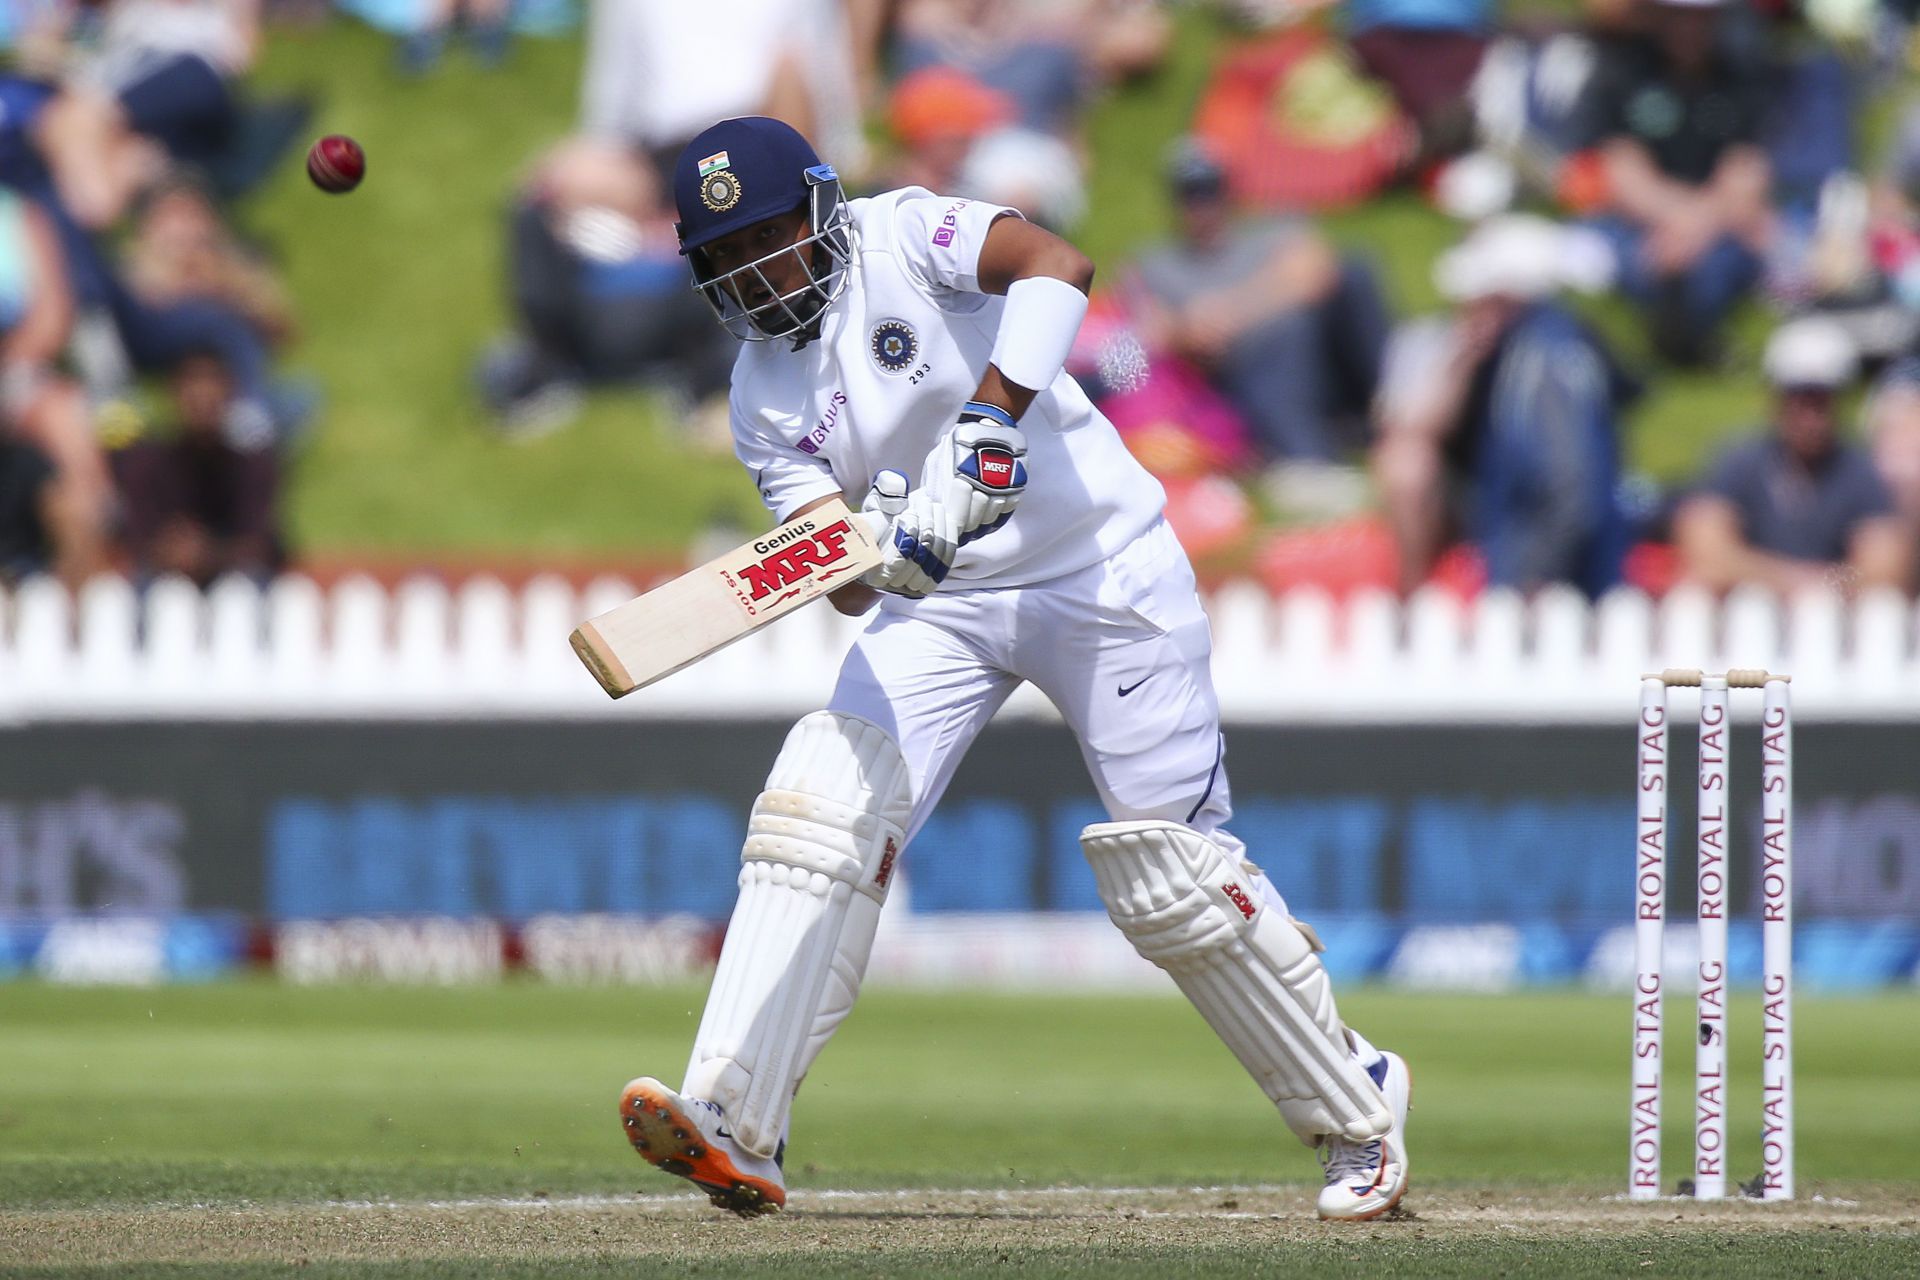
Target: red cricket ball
336, 163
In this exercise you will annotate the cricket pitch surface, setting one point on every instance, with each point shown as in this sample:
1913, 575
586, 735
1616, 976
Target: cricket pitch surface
1067, 1231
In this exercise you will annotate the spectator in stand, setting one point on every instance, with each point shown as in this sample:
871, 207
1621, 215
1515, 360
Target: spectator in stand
44, 408
426, 28
1894, 228
172, 66
1677, 118
26, 492
599, 289
1427, 52
1036, 173
938, 113
197, 286
194, 504
41, 528
81, 181
1045, 55
1500, 424
1796, 507
484, 22
156, 88
183, 248
24, 25
190, 285
958, 140
1288, 331
600, 293
1893, 432
652, 81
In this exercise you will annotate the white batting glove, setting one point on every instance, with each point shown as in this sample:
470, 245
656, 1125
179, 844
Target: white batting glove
917, 536
979, 469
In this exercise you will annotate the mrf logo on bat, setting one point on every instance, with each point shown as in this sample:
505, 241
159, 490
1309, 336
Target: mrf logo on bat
799, 557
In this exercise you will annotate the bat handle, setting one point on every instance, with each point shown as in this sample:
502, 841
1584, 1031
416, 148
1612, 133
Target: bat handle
885, 500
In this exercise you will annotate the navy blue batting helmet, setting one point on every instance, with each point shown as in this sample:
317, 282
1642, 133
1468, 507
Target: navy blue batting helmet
737, 173
743, 171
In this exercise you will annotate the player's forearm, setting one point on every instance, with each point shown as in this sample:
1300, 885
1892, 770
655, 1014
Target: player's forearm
1045, 281
995, 389
854, 599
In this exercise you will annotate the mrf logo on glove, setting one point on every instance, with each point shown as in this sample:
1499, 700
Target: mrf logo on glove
994, 467
991, 448
980, 469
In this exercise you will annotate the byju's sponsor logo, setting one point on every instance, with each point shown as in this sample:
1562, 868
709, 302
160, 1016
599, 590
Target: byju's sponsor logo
811, 442
943, 235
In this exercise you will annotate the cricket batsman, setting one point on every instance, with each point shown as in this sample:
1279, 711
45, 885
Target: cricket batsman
917, 335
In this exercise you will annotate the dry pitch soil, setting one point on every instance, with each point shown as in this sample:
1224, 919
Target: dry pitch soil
644, 1231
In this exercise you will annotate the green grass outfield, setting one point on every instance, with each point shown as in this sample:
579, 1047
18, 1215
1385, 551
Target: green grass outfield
436, 1132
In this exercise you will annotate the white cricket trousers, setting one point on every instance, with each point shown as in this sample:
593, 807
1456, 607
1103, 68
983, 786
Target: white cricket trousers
1120, 647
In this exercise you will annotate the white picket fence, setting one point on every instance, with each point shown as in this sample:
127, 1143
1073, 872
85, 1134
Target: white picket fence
423, 650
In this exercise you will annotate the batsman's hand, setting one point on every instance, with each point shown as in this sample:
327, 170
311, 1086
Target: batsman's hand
917, 537
979, 469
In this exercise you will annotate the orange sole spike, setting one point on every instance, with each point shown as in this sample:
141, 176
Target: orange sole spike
670, 1141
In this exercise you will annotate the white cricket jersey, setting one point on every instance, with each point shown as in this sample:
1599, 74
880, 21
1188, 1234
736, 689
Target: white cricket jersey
899, 352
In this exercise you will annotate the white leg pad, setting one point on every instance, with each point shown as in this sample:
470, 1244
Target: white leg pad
1249, 968
819, 856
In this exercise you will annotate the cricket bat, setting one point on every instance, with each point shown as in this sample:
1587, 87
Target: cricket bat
706, 609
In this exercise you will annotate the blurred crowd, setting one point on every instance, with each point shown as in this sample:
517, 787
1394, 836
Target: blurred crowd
1627, 179
980, 97
1643, 194
142, 420
1657, 164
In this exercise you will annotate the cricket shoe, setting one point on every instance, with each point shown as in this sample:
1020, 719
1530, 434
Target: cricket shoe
1367, 1179
688, 1138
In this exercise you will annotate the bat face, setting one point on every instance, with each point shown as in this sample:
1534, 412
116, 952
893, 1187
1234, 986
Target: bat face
705, 609
797, 559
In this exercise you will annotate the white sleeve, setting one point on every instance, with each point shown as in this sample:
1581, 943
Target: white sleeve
938, 240
787, 476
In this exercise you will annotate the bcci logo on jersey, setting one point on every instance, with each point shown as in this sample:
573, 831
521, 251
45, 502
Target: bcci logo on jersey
809, 559
894, 345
